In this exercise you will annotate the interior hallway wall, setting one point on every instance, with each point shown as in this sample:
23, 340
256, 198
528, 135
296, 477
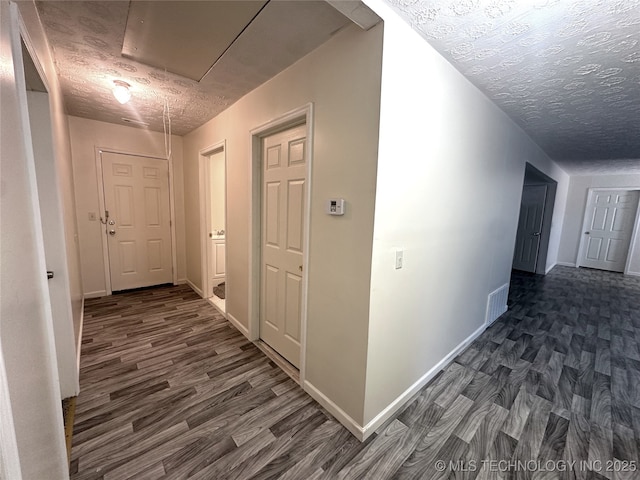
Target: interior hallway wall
342, 79
450, 175
88, 135
576, 204
31, 433
62, 157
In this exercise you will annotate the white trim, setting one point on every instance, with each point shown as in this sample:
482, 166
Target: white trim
210, 300
204, 196
408, 394
632, 242
299, 116
565, 264
172, 224
79, 341
172, 211
585, 224
236, 323
349, 423
194, 288
96, 294
181, 281
548, 269
362, 433
101, 206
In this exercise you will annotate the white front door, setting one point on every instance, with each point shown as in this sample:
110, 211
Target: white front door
525, 255
609, 219
136, 195
283, 219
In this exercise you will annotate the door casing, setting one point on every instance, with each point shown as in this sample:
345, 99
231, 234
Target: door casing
299, 116
172, 212
205, 220
635, 231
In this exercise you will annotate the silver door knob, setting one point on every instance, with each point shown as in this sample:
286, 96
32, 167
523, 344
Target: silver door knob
587, 233
112, 232
536, 234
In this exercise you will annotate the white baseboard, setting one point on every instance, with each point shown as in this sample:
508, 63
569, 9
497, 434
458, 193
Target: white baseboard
362, 433
79, 345
632, 274
340, 415
194, 288
565, 264
96, 294
234, 321
548, 269
181, 281
401, 400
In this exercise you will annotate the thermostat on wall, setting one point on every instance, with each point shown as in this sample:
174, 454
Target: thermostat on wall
335, 206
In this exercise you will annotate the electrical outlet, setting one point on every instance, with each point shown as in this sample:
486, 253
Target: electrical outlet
92, 216
399, 255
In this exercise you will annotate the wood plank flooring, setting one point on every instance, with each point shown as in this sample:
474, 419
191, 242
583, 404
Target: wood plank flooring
171, 390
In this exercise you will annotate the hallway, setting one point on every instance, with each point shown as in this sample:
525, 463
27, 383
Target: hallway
171, 390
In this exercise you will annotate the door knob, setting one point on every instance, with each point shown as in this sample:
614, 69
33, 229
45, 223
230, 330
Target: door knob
112, 232
587, 233
536, 234
300, 267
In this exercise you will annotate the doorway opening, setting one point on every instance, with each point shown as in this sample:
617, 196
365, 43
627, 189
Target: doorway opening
534, 222
137, 216
280, 179
213, 221
609, 229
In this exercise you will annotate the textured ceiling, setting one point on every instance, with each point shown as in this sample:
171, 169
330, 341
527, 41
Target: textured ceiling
567, 71
87, 39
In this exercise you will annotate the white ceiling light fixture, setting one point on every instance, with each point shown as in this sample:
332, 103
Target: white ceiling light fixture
121, 91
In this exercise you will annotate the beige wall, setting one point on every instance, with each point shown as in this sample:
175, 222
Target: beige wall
576, 203
31, 433
69, 279
450, 175
86, 137
342, 79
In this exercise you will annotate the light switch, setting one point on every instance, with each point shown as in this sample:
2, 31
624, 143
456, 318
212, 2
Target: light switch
399, 258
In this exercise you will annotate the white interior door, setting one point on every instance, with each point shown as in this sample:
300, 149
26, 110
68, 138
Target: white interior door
283, 219
609, 219
136, 195
525, 255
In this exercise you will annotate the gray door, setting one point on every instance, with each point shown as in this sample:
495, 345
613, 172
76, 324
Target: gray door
525, 256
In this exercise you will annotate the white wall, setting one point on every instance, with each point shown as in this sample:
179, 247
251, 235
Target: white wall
31, 432
342, 79
576, 204
41, 52
217, 176
450, 175
54, 243
88, 135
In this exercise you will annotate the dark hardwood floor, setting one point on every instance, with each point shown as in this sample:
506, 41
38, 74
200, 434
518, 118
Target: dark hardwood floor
551, 390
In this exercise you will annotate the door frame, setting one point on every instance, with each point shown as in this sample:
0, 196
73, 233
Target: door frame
299, 116
541, 178
172, 212
635, 229
205, 226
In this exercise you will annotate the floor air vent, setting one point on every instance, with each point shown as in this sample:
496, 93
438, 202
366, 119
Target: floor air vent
496, 304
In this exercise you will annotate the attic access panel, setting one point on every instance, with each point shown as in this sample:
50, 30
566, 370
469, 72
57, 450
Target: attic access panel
185, 37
